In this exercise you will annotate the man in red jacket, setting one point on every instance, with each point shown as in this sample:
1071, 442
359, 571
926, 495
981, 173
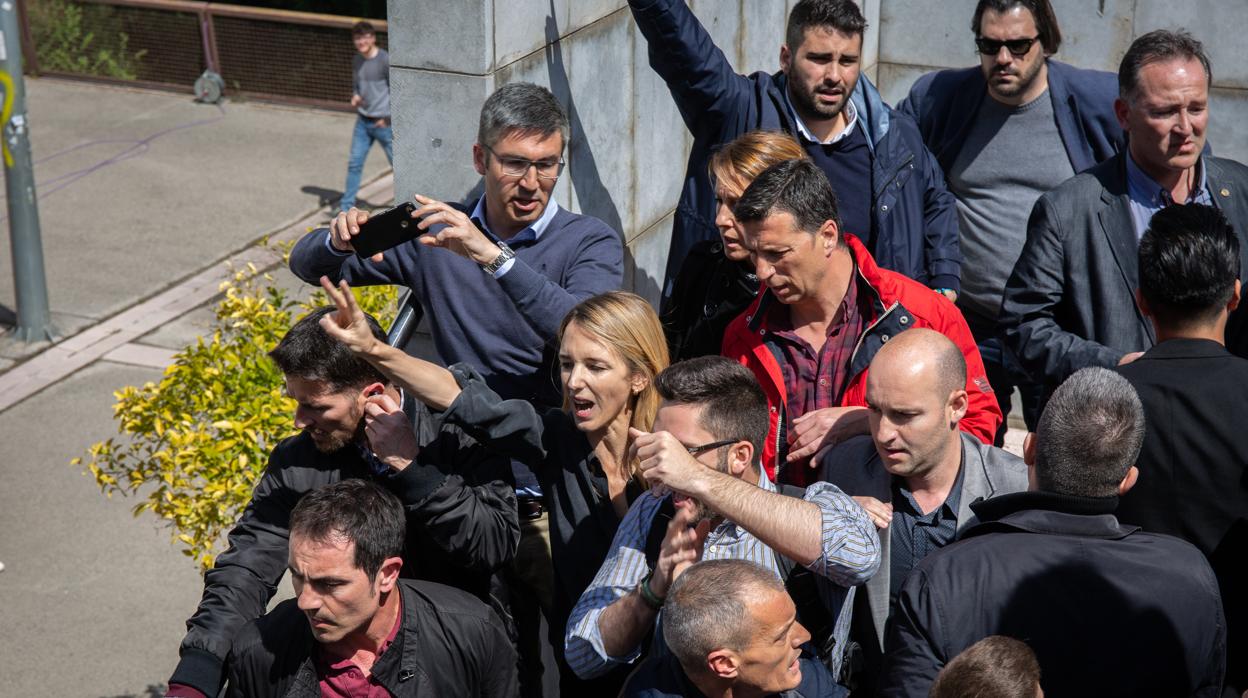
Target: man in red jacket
825, 310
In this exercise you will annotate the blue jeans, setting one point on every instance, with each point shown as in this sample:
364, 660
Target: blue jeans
366, 131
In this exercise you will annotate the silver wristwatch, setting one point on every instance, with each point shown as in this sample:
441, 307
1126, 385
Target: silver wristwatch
504, 255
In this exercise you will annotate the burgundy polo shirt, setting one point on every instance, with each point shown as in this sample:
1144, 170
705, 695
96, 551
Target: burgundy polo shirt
340, 678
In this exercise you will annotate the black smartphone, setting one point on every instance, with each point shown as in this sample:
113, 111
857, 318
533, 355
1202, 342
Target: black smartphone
386, 230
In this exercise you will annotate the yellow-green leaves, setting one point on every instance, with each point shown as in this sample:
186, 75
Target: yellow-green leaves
193, 445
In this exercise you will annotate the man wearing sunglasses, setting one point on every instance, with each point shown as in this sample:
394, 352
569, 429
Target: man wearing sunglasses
711, 499
978, 122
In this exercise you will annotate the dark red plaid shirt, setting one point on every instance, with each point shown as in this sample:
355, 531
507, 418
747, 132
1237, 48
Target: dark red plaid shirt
813, 379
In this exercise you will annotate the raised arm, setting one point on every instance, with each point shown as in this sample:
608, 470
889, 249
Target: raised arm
707, 90
328, 252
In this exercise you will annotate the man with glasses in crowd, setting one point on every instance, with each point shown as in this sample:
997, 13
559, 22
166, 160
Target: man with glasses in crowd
977, 122
495, 280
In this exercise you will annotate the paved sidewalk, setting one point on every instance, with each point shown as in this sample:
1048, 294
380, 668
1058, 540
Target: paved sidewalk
92, 599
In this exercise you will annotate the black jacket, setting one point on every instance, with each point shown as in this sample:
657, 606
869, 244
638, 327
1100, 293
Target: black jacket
1194, 468
661, 676
450, 644
1108, 609
462, 526
709, 292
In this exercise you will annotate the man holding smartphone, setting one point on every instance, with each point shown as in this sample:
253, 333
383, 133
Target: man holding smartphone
495, 280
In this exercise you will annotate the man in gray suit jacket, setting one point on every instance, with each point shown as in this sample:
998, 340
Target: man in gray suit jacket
1070, 301
917, 475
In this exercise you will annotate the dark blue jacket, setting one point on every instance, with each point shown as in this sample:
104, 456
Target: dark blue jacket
914, 215
945, 104
661, 676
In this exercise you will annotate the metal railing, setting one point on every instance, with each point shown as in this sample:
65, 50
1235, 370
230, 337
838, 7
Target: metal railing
278, 55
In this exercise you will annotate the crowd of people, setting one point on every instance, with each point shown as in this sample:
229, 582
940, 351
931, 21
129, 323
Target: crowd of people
789, 479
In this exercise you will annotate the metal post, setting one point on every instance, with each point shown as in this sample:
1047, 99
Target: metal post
34, 322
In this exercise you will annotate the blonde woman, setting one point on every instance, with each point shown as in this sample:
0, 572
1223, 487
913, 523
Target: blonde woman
716, 281
611, 346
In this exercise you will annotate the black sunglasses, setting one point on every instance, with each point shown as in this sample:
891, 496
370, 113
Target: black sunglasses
1018, 47
695, 450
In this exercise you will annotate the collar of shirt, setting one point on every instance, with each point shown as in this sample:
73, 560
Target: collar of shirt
949, 509
1148, 197
851, 113
529, 234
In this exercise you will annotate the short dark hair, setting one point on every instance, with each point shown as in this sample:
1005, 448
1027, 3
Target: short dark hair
841, 15
1189, 263
362, 29
524, 107
996, 666
733, 404
708, 608
1155, 46
355, 510
1041, 11
308, 352
1089, 434
797, 187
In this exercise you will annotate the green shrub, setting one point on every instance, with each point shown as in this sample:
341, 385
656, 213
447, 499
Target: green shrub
81, 39
193, 445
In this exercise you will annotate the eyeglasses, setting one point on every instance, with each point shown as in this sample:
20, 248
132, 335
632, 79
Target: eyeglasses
1018, 47
519, 167
695, 450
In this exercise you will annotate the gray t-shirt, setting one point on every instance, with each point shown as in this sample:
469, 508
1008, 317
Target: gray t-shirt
1011, 156
372, 84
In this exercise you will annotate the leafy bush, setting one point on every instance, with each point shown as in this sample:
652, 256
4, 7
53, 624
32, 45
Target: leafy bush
194, 444
86, 40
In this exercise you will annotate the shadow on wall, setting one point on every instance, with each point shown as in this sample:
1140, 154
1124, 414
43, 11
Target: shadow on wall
592, 195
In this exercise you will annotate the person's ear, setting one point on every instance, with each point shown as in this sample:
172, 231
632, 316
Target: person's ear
1143, 304
1029, 457
740, 456
1233, 303
830, 237
478, 158
370, 390
638, 383
786, 57
388, 575
1121, 110
1128, 480
958, 404
723, 664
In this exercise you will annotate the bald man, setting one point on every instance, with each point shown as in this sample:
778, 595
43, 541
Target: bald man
918, 473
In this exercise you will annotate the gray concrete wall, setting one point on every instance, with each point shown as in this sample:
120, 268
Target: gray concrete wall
628, 150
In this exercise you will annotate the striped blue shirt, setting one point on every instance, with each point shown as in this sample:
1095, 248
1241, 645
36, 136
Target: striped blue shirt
851, 555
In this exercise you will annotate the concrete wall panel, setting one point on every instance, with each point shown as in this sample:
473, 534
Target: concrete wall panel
1092, 38
919, 32
762, 24
435, 124
524, 26
582, 13
602, 114
660, 141
895, 80
441, 35
647, 254
1228, 125
1219, 24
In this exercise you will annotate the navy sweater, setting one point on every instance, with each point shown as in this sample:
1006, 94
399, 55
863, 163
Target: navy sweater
505, 328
